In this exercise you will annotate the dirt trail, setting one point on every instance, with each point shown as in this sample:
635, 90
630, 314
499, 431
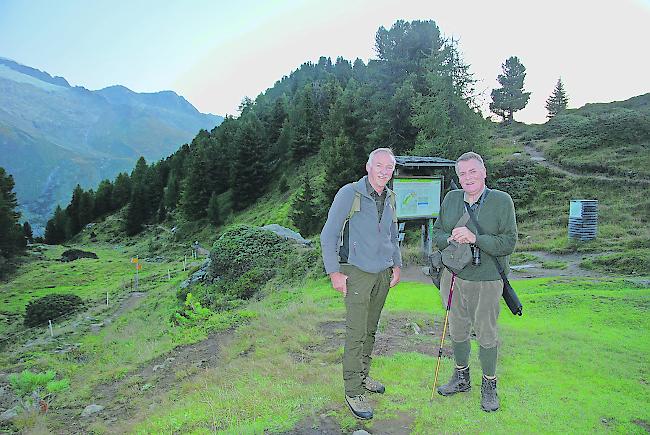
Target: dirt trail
538, 157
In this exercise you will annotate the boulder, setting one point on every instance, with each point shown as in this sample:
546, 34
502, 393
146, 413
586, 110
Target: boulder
75, 254
287, 234
91, 409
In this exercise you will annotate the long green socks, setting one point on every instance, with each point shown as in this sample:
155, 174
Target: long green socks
487, 356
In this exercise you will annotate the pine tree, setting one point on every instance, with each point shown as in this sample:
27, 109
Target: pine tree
103, 198
303, 212
510, 97
55, 230
27, 231
72, 211
172, 192
12, 241
250, 171
558, 101
121, 191
136, 212
213, 211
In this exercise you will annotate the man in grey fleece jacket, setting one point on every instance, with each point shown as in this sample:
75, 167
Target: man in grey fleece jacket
362, 257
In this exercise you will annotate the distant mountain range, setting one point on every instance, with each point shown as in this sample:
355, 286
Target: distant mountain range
54, 136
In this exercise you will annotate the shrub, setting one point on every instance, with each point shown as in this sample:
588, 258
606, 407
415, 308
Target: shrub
517, 177
243, 248
35, 388
49, 307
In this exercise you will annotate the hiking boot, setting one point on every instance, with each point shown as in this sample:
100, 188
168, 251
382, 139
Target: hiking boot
458, 383
489, 396
373, 386
359, 406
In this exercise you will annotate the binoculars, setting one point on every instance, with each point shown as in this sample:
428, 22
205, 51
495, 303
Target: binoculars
476, 255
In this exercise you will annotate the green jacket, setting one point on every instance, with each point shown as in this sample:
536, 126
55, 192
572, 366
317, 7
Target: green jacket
497, 220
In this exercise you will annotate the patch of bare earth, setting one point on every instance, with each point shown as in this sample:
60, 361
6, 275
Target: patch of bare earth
123, 399
325, 424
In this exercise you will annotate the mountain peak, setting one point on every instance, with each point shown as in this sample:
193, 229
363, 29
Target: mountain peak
33, 72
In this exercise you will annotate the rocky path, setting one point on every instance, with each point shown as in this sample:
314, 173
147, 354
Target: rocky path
538, 157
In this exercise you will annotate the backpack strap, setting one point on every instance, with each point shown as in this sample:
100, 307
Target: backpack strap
393, 203
355, 207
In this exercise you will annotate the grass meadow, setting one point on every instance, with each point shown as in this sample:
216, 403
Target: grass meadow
576, 362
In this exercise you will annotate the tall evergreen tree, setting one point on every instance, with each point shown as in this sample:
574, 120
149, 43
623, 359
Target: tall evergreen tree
214, 216
195, 191
443, 113
28, 233
250, 171
558, 101
86, 207
72, 211
55, 230
307, 132
303, 211
136, 213
12, 240
103, 198
121, 191
172, 192
510, 97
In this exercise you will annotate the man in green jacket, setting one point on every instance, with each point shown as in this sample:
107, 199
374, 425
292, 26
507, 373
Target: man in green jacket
478, 287
361, 255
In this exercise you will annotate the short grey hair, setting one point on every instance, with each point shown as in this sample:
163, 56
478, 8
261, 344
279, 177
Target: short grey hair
381, 150
470, 155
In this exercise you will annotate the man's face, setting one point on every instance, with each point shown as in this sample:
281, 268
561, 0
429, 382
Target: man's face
380, 170
471, 174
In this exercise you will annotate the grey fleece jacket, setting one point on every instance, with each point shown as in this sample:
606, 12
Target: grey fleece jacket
373, 244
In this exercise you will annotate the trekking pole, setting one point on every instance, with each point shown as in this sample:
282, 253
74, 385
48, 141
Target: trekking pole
444, 331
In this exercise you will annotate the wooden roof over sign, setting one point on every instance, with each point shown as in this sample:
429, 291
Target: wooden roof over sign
416, 161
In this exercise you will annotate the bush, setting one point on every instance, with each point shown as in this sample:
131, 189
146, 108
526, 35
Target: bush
243, 248
35, 389
49, 307
517, 177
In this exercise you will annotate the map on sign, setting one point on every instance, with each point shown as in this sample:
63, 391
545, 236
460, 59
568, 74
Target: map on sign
417, 197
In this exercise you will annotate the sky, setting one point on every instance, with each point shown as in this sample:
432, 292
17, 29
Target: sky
215, 52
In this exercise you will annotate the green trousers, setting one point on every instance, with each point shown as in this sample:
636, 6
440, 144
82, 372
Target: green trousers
363, 304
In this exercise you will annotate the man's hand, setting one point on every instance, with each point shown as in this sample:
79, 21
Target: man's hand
463, 235
339, 282
396, 274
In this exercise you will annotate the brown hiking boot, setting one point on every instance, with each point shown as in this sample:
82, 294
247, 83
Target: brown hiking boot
373, 386
458, 383
489, 396
359, 406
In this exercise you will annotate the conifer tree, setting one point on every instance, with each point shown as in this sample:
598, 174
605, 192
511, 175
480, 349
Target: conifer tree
558, 101
510, 97
28, 233
72, 212
103, 198
250, 171
121, 191
172, 192
214, 216
55, 230
303, 210
195, 194
12, 240
306, 128
136, 211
